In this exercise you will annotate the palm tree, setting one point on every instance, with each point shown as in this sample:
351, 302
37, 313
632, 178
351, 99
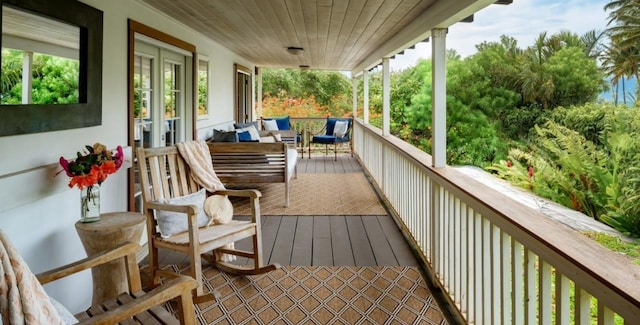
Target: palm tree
624, 32
614, 67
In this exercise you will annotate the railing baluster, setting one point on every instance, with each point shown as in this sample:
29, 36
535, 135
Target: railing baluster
505, 275
582, 306
496, 278
605, 315
470, 267
479, 281
530, 278
562, 299
463, 270
487, 285
517, 283
544, 292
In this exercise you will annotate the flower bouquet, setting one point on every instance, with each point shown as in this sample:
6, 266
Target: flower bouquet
87, 172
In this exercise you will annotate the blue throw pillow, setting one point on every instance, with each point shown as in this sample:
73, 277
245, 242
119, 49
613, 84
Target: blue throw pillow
244, 136
283, 123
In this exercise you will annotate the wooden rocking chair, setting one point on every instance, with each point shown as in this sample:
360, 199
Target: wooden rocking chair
25, 300
165, 175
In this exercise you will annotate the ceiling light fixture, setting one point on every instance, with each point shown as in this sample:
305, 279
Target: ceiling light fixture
295, 50
304, 67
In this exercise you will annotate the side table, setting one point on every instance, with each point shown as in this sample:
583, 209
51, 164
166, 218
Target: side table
110, 280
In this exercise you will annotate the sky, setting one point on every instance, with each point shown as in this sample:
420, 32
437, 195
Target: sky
523, 19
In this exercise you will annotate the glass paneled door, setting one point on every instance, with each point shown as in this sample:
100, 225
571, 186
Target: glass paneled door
159, 100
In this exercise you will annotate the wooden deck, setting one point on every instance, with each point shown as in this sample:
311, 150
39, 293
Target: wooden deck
327, 240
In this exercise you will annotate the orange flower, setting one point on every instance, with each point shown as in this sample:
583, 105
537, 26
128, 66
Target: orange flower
83, 181
93, 167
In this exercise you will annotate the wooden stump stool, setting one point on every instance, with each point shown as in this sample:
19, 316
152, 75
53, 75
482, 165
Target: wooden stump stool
114, 228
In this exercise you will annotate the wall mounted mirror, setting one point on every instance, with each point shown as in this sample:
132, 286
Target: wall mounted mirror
51, 66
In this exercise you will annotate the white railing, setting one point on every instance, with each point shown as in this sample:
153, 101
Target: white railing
499, 262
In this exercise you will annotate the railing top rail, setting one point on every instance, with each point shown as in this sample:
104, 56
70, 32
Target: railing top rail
567, 250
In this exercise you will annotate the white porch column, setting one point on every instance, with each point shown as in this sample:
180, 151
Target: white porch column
365, 90
439, 98
27, 79
259, 91
354, 84
386, 97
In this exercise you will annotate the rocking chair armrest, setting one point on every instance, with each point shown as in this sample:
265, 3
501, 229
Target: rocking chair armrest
181, 286
122, 250
188, 209
240, 193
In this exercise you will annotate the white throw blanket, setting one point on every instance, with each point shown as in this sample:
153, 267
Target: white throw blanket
22, 298
196, 154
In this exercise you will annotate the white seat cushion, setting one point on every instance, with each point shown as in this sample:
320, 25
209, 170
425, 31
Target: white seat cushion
292, 159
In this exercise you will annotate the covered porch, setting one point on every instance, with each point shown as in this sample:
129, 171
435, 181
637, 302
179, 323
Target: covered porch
492, 261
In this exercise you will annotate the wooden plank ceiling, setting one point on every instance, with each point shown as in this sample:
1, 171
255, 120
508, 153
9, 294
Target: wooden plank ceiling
24, 25
335, 34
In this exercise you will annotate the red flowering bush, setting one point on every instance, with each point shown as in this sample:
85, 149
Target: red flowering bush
93, 167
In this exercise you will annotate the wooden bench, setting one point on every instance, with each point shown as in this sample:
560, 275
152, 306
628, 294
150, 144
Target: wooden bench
254, 162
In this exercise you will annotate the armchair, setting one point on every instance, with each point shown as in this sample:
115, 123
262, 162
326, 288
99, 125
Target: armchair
26, 298
335, 131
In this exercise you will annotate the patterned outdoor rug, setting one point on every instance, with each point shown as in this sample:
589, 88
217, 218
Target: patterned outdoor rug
320, 295
315, 194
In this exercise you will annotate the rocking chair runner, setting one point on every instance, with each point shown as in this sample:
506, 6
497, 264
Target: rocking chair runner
165, 175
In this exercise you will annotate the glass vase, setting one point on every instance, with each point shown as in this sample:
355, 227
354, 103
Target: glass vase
90, 204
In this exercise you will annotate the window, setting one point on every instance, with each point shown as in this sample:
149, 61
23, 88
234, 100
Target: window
203, 87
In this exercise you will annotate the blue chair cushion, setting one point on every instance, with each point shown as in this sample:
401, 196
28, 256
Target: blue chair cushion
328, 139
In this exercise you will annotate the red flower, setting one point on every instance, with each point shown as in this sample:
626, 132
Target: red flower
530, 172
509, 163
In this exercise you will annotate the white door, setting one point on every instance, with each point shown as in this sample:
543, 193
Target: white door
160, 103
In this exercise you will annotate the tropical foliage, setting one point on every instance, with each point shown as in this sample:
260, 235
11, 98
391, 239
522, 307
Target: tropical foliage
55, 79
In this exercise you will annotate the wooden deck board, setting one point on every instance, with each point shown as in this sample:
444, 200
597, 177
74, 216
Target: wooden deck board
340, 243
399, 245
362, 251
322, 254
302, 246
283, 245
269, 228
379, 244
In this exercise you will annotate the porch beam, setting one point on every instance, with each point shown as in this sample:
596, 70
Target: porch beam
386, 97
439, 98
365, 76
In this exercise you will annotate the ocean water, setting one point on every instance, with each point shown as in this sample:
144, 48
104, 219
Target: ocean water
630, 88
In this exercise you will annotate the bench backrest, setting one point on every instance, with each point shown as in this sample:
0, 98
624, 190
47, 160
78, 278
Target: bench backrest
249, 162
